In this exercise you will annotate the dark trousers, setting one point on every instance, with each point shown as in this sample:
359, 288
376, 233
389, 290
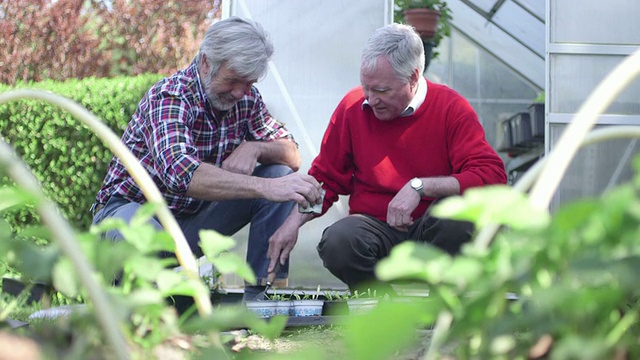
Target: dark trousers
352, 246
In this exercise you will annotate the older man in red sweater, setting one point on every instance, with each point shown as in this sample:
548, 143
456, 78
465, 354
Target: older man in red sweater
395, 145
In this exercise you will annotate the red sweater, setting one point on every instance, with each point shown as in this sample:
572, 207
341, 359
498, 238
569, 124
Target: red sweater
371, 160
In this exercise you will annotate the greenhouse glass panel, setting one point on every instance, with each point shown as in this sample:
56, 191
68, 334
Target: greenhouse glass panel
596, 168
576, 76
593, 22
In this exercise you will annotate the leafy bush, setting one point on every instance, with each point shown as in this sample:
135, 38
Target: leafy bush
68, 160
574, 276
64, 39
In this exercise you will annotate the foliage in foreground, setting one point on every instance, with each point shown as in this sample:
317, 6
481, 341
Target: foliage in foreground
574, 275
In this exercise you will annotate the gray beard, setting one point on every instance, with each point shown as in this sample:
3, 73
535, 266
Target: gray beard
216, 101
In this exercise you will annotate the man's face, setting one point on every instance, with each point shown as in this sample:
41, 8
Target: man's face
225, 88
388, 96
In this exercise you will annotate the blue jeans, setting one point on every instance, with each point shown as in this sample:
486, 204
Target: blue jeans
226, 217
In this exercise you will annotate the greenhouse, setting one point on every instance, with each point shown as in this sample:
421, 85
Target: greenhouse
503, 56
490, 211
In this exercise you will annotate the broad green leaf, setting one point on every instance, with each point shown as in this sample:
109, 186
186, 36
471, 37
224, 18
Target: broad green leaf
143, 297
144, 267
5, 230
65, 279
213, 243
230, 263
172, 283
272, 329
574, 214
224, 317
412, 260
35, 262
108, 224
36, 231
493, 205
463, 272
144, 213
12, 196
146, 238
396, 323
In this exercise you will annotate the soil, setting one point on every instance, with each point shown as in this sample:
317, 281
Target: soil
328, 338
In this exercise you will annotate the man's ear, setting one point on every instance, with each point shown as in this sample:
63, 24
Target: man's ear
204, 64
415, 76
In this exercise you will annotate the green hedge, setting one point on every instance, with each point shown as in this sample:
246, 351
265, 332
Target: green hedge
67, 158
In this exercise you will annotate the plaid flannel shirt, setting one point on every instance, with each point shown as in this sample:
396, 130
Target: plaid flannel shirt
174, 130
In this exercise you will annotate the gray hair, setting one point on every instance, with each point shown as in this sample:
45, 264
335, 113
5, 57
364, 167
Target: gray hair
400, 44
242, 43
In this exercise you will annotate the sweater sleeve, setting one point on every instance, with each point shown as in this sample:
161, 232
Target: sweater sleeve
334, 164
474, 162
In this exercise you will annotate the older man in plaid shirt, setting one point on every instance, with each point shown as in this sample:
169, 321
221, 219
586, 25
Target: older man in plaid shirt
208, 141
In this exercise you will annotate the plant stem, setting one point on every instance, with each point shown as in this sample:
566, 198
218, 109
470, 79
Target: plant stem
486, 235
442, 326
69, 244
183, 251
597, 102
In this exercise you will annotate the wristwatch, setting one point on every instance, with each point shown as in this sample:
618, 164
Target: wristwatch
416, 184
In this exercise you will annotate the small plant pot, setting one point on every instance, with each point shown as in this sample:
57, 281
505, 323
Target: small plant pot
284, 307
263, 309
361, 306
335, 307
307, 307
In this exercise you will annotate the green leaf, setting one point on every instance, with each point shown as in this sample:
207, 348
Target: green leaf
143, 297
34, 262
144, 214
230, 263
463, 272
5, 230
145, 267
411, 260
11, 197
173, 283
272, 329
64, 278
146, 238
396, 323
213, 243
496, 204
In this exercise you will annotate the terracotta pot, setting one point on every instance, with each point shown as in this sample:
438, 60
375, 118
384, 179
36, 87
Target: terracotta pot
425, 21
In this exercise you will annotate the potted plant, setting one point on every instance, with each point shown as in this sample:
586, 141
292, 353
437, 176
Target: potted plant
283, 304
335, 303
307, 305
362, 302
430, 18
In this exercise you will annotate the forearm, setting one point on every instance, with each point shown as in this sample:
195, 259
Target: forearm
280, 151
438, 187
296, 219
212, 183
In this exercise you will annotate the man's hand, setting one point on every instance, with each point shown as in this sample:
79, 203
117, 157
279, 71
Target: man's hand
285, 238
243, 159
301, 188
400, 208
